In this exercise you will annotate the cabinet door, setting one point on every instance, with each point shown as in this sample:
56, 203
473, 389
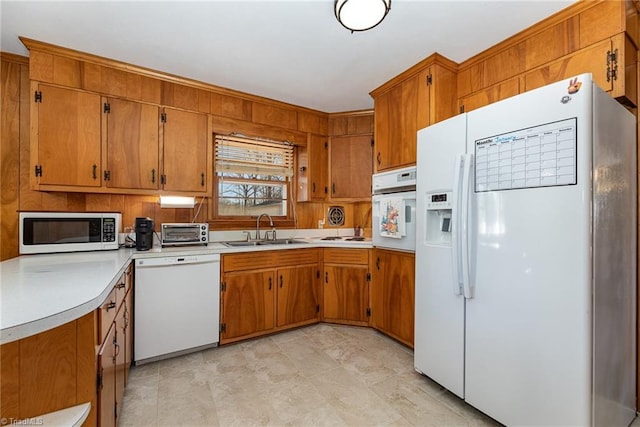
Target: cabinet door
298, 300
346, 294
128, 334
107, 387
120, 355
392, 294
399, 113
185, 151
351, 167
248, 300
68, 137
132, 144
318, 165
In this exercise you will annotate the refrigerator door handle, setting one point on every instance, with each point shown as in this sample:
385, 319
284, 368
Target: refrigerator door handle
464, 224
455, 225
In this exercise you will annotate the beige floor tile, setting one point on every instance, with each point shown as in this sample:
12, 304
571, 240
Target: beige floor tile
321, 375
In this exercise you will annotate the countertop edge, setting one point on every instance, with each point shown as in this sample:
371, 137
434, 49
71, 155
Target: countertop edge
25, 330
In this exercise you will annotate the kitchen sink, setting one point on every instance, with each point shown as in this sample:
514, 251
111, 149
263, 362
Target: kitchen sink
262, 242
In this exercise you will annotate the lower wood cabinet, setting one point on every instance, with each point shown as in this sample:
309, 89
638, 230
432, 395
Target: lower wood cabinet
393, 294
85, 360
346, 286
268, 291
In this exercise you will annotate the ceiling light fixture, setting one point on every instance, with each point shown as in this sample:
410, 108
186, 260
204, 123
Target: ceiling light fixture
361, 15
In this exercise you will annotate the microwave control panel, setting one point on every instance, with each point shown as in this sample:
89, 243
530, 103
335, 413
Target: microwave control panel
109, 233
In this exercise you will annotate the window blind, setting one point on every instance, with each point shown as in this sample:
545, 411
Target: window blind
237, 154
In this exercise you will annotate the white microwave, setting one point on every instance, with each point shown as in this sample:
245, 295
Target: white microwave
50, 232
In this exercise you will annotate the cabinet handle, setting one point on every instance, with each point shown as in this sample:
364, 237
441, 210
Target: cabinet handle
269, 283
326, 277
120, 285
378, 263
111, 305
313, 187
202, 179
126, 319
95, 172
333, 188
117, 349
153, 176
379, 159
281, 282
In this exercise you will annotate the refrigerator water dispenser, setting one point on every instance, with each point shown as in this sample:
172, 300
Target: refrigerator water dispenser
438, 218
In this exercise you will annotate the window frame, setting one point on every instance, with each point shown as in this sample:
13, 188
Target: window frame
227, 222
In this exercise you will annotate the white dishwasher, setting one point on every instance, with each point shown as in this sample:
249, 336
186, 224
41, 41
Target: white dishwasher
176, 306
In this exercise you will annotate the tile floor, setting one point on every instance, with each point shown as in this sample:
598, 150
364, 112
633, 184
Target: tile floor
325, 375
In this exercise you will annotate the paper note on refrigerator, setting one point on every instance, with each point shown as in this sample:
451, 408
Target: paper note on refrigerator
392, 221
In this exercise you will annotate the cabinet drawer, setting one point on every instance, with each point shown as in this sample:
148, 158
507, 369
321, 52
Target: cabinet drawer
346, 256
247, 261
296, 257
107, 313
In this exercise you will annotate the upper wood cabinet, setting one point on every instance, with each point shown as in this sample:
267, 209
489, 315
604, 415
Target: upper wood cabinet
185, 155
351, 167
422, 95
313, 162
65, 137
131, 134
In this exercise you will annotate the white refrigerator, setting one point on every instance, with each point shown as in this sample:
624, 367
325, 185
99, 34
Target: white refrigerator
526, 257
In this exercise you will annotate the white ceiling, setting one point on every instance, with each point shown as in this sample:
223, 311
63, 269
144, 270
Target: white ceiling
291, 51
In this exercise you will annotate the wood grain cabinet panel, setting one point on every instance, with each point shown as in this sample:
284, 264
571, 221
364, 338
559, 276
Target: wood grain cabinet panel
131, 135
393, 294
423, 95
185, 143
107, 382
351, 167
490, 95
313, 164
247, 303
297, 295
65, 137
346, 286
592, 59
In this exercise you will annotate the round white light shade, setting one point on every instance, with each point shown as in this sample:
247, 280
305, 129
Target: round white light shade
361, 15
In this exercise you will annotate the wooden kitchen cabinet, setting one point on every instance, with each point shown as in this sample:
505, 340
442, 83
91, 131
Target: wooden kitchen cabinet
351, 167
65, 137
346, 286
107, 379
421, 96
393, 294
268, 291
313, 162
247, 303
612, 63
297, 294
186, 138
130, 131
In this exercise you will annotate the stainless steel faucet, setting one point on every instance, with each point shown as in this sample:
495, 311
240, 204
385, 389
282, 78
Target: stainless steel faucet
258, 225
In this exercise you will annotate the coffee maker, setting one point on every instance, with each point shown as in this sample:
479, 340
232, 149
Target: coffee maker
144, 234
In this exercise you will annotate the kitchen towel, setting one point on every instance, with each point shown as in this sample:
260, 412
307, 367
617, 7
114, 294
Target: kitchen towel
392, 221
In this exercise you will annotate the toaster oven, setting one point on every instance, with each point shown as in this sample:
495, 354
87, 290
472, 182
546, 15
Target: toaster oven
179, 233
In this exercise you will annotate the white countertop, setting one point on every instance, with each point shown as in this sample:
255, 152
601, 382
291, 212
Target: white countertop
41, 292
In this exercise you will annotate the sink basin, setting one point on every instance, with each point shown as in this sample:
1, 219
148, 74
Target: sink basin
241, 243
262, 242
281, 242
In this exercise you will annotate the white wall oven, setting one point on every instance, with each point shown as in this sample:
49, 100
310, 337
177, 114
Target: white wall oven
50, 232
394, 209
